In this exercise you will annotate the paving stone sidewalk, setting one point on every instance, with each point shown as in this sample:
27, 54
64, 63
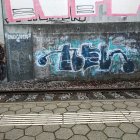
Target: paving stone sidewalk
110, 131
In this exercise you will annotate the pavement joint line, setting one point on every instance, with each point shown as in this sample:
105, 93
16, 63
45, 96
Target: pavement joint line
70, 118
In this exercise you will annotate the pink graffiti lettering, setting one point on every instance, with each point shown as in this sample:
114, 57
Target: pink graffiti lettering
85, 7
20, 10
122, 7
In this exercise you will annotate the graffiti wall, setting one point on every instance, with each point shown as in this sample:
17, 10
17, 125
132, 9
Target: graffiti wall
71, 10
2, 63
87, 55
70, 50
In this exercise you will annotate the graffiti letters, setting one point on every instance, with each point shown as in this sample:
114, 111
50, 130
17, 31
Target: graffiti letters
114, 55
90, 57
124, 7
19, 10
85, 8
54, 8
18, 37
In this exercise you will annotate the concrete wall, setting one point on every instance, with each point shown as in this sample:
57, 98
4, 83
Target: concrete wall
69, 52
19, 48
101, 46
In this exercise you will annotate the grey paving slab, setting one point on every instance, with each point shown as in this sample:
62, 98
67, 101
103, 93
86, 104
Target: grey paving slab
133, 108
107, 102
75, 103
23, 111
72, 108
128, 128
45, 136
26, 138
50, 106
9, 113
83, 110
137, 124
42, 104
78, 137
121, 109
51, 128
33, 130
137, 101
14, 134
62, 104
37, 109
130, 103
108, 107
7, 105
3, 109
22, 126
113, 139
33, 113
95, 103
96, 126
113, 132
97, 135
59, 110
67, 125
6, 128
85, 105
130, 137
29, 105
46, 112
120, 105
64, 133
113, 124
15, 108
96, 109
80, 129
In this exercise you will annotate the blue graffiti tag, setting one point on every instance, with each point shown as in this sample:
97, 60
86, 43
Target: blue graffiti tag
74, 60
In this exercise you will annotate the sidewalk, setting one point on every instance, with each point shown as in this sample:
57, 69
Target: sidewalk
108, 131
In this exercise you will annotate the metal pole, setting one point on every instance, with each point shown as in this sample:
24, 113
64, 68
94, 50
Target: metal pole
1, 24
